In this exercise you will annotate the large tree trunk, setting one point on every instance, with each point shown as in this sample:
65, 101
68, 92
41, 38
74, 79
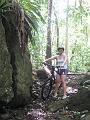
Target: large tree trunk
16, 68
66, 42
57, 28
48, 47
6, 92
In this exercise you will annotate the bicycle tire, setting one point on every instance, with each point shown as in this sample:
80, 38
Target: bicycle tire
46, 88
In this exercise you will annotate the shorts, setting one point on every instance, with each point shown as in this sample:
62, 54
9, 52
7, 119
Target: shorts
61, 71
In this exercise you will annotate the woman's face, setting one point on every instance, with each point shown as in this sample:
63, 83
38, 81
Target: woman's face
60, 51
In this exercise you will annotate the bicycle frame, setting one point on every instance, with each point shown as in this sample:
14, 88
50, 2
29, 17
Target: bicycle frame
47, 86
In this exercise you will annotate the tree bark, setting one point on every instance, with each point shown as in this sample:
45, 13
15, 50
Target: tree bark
16, 71
48, 46
66, 42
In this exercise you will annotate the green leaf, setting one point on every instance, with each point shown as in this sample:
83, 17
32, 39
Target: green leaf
30, 22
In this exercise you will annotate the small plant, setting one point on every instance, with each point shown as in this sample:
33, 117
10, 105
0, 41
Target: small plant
4, 6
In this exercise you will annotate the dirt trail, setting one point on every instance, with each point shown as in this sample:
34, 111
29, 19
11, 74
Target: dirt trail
39, 109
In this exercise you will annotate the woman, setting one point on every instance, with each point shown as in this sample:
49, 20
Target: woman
61, 62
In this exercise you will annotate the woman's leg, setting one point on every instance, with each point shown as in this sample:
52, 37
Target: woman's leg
57, 84
63, 78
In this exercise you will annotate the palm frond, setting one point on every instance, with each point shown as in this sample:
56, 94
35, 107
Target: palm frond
4, 5
32, 7
32, 18
31, 21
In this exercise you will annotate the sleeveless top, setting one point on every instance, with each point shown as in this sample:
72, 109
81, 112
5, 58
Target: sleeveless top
59, 62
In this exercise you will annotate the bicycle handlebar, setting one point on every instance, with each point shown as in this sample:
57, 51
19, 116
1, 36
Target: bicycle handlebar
45, 63
49, 66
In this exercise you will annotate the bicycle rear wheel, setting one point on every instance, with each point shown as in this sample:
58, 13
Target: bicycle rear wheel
46, 88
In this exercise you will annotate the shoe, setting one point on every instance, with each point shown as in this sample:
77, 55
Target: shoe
54, 97
64, 97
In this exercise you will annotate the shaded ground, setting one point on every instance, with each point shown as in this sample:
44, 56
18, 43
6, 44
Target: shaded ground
46, 110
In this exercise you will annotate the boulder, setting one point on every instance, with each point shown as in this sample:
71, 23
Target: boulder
6, 92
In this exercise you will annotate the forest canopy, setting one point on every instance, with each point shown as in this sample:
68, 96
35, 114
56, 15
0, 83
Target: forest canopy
70, 27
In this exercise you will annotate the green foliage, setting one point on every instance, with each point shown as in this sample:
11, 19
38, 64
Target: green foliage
38, 50
80, 58
78, 33
4, 5
32, 17
78, 12
36, 55
42, 1
34, 27
79, 38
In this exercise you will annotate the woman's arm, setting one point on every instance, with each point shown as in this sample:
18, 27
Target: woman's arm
51, 58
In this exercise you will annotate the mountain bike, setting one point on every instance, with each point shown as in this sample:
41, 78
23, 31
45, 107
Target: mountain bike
49, 82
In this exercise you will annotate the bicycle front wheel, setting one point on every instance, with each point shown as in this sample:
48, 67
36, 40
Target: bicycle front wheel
46, 89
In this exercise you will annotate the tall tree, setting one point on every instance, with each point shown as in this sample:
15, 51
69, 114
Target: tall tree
66, 42
48, 47
57, 27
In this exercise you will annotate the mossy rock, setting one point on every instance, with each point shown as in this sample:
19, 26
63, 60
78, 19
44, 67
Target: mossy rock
6, 92
24, 74
56, 105
87, 117
80, 101
41, 74
15, 66
64, 117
